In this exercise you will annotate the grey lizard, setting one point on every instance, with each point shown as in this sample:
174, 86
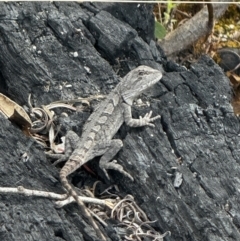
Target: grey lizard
102, 125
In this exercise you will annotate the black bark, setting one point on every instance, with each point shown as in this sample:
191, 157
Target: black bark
66, 50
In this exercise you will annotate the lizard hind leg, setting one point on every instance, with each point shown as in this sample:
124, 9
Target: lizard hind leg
71, 140
112, 148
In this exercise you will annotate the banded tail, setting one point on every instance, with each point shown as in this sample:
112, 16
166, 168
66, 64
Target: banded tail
65, 171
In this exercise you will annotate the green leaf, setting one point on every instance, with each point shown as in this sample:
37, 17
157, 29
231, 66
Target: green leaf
159, 31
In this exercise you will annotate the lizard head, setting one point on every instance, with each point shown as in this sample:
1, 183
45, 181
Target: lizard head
137, 81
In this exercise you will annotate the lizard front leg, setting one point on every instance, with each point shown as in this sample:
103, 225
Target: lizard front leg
142, 121
71, 140
111, 148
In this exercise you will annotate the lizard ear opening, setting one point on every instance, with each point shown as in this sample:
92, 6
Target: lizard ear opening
127, 97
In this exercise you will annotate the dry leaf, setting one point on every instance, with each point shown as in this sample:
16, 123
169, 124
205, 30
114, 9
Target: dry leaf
14, 112
235, 79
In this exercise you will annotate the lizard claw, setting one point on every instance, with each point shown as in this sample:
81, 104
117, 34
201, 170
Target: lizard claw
115, 166
58, 156
57, 161
146, 120
61, 159
106, 174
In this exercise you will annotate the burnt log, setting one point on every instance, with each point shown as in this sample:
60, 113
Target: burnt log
186, 169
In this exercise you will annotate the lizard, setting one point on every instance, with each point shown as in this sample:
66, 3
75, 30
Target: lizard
100, 128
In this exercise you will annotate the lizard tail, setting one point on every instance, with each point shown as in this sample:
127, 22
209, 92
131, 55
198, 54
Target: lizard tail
63, 176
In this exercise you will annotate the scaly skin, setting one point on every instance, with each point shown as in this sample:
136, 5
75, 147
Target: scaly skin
102, 125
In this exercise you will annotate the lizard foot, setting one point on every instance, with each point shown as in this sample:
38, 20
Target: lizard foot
59, 157
146, 120
53, 156
115, 166
58, 161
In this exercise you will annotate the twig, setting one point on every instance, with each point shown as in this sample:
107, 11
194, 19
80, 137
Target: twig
63, 200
